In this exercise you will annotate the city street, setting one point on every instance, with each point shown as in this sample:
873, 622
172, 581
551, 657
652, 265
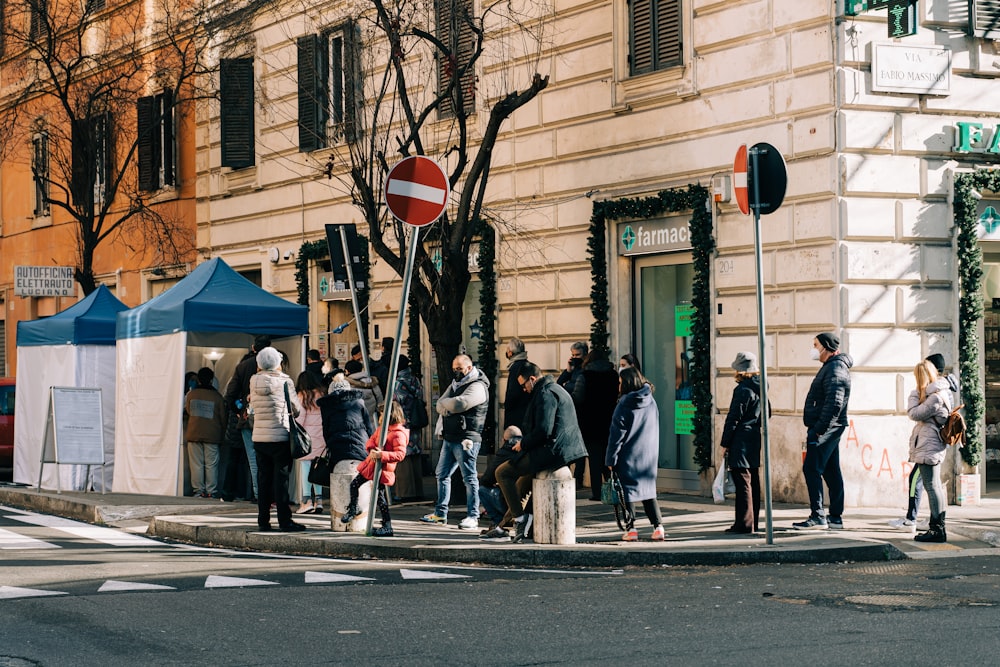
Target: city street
75, 594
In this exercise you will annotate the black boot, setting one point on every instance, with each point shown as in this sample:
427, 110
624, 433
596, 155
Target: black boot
351, 512
385, 530
935, 531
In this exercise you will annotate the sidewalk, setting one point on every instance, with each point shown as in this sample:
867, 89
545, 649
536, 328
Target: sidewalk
694, 526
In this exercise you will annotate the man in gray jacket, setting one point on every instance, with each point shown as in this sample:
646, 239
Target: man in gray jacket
462, 416
825, 418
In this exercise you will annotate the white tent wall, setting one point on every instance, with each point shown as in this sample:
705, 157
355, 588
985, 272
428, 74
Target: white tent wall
150, 401
96, 368
39, 368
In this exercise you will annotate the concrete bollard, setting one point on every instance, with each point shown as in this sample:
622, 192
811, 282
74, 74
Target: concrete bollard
340, 494
553, 494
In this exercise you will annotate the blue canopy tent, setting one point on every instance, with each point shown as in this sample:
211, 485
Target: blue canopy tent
73, 348
207, 319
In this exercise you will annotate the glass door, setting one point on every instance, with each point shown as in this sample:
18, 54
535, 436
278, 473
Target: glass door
663, 289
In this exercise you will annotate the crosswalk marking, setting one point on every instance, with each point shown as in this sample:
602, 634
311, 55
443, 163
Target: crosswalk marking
11, 540
96, 533
112, 586
332, 578
12, 592
427, 574
217, 581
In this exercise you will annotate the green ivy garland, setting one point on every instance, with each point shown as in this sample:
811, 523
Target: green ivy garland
970, 303
319, 250
694, 198
487, 326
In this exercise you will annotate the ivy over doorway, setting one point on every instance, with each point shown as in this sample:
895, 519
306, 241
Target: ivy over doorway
970, 302
694, 198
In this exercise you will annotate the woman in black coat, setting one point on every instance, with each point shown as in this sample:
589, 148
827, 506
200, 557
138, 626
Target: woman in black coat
595, 396
346, 422
741, 442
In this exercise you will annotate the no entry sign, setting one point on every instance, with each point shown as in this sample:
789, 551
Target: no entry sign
416, 190
740, 180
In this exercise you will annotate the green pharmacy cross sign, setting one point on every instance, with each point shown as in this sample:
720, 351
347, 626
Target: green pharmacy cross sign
989, 220
902, 14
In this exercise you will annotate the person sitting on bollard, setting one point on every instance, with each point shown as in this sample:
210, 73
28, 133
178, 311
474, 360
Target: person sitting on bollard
490, 495
346, 422
396, 438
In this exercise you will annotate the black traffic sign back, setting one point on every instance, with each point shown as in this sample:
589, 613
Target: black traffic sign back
766, 178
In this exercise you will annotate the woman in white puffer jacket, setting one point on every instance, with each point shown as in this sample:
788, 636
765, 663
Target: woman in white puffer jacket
929, 405
270, 439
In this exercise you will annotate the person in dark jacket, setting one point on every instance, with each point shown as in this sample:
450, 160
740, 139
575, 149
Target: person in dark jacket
551, 440
314, 364
634, 450
595, 395
346, 422
490, 495
238, 399
825, 419
515, 400
741, 442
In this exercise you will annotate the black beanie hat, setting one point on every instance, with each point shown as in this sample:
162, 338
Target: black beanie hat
829, 341
938, 361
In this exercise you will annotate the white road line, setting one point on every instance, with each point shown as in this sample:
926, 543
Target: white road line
112, 586
11, 592
217, 581
332, 578
96, 533
426, 574
11, 540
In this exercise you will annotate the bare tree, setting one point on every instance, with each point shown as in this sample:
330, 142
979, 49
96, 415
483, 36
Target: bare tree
98, 96
429, 93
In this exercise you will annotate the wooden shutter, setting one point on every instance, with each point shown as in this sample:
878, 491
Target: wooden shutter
167, 147
38, 19
641, 37
455, 31
654, 35
984, 18
353, 83
668, 33
147, 160
312, 97
81, 183
237, 112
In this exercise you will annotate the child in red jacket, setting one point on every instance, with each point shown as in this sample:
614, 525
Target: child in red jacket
396, 440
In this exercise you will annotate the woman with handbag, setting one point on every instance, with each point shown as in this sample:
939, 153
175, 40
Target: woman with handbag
741, 442
309, 389
272, 397
929, 405
634, 449
396, 438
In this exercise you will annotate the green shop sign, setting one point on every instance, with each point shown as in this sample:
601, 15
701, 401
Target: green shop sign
652, 236
973, 138
684, 417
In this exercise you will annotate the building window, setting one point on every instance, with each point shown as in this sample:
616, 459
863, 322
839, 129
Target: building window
654, 35
455, 70
93, 159
984, 18
329, 70
38, 18
95, 5
237, 112
156, 146
40, 172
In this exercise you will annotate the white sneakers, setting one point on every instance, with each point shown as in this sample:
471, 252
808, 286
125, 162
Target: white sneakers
468, 523
904, 524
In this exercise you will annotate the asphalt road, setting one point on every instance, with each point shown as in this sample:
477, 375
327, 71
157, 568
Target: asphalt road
209, 607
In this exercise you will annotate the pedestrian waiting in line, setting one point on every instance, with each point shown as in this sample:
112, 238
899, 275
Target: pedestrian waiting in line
206, 427
515, 400
628, 360
741, 442
490, 495
367, 385
237, 398
397, 435
347, 425
634, 450
595, 395
929, 405
311, 418
314, 364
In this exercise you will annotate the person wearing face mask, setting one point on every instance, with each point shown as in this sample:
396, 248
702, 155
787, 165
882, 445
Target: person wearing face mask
628, 360
825, 419
571, 379
516, 399
461, 418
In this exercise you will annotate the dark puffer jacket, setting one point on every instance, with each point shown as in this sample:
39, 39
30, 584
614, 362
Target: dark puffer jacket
346, 425
741, 434
550, 425
829, 393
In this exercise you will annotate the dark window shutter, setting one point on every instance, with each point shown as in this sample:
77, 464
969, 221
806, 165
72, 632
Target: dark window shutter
38, 19
167, 145
81, 187
668, 33
455, 31
353, 84
106, 148
641, 37
145, 109
312, 102
984, 18
237, 107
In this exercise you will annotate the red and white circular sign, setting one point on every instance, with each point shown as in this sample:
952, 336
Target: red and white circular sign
740, 180
416, 190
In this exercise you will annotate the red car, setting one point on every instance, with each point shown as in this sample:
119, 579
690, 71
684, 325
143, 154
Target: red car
6, 429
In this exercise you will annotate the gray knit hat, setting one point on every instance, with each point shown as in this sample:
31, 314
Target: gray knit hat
746, 362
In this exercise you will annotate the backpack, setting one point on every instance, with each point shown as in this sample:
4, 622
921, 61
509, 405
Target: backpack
418, 417
953, 429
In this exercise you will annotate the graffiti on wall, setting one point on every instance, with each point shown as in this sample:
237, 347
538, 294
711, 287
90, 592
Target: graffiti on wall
874, 461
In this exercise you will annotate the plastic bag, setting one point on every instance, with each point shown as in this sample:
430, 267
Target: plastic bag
719, 486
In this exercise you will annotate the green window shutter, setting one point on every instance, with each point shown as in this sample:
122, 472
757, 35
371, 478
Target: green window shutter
312, 97
640, 37
668, 33
654, 35
237, 112
146, 147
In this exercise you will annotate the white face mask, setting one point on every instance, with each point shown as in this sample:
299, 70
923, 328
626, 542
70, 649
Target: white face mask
814, 354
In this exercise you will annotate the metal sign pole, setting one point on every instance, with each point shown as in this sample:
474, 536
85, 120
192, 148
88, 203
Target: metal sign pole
390, 390
354, 296
761, 330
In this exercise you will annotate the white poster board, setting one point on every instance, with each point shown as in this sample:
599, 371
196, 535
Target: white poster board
74, 427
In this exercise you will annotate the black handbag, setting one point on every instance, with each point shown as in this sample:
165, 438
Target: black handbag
320, 469
612, 493
298, 440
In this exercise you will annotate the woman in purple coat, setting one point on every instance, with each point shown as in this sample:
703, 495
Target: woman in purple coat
634, 449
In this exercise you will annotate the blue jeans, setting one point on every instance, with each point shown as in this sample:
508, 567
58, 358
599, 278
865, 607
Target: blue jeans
493, 502
251, 457
823, 464
453, 456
